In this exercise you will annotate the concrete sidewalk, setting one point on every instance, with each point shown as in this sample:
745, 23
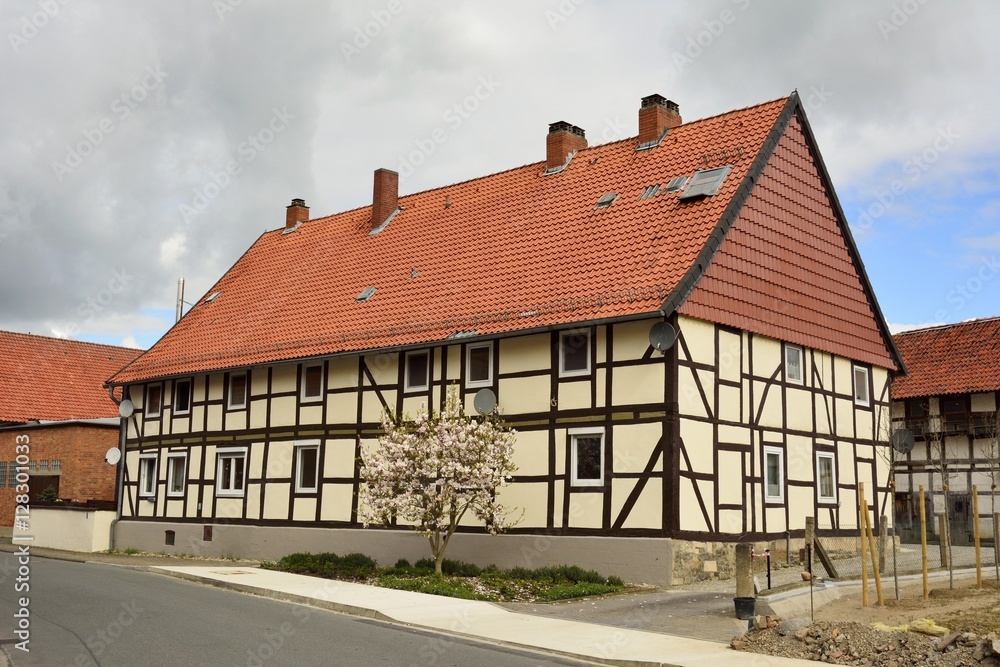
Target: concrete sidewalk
480, 621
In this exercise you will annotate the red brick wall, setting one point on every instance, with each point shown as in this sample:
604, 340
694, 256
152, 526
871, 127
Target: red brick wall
80, 449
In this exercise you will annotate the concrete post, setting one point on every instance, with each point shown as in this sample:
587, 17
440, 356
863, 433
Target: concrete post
744, 571
943, 538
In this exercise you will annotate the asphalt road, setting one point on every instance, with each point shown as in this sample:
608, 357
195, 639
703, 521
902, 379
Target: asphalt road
84, 614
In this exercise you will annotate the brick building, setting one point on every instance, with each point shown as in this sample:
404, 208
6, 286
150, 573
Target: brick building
52, 400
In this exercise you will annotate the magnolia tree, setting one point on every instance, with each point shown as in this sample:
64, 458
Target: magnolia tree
432, 470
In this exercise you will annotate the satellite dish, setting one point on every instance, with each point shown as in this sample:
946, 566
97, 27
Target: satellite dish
902, 440
125, 409
662, 336
485, 401
113, 456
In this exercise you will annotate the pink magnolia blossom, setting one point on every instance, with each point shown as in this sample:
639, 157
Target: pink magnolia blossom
431, 470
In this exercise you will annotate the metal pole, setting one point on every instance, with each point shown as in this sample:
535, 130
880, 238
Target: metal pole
180, 300
767, 552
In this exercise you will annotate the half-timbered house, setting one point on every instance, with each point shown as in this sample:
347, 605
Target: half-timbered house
945, 412
639, 453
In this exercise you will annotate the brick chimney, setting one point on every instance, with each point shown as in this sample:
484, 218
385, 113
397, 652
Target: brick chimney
385, 196
562, 140
296, 213
657, 114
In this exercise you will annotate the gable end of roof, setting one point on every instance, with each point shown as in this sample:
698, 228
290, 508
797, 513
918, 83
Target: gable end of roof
684, 288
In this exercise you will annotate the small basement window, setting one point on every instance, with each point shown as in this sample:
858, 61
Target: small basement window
650, 191
606, 200
706, 182
366, 294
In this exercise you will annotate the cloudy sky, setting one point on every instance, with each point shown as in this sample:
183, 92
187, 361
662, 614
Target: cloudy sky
144, 142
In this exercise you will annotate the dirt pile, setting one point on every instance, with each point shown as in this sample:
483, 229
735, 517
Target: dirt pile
851, 643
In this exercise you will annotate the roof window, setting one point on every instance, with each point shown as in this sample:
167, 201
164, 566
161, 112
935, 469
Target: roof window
606, 200
650, 191
676, 184
212, 297
366, 294
706, 182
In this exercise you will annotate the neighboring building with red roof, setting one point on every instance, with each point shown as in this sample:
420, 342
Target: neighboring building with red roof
54, 404
551, 285
948, 402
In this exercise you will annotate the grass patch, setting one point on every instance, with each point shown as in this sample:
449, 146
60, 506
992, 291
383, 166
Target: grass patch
459, 579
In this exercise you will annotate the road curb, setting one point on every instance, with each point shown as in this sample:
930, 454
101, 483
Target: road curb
364, 612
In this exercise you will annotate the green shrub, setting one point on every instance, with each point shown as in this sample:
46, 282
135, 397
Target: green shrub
424, 564
456, 568
329, 565
582, 589
402, 563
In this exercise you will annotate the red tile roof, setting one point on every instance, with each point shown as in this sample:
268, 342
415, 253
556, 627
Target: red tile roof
55, 379
951, 359
513, 251
786, 269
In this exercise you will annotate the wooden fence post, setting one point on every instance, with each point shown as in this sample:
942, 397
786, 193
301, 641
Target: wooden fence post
975, 536
923, 541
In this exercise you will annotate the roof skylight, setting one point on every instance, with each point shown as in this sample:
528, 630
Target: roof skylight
212, 297
676, 184
366, 294
706, 182
650, 191
606, 200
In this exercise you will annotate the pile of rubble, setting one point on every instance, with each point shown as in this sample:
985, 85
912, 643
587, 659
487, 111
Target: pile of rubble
857, 644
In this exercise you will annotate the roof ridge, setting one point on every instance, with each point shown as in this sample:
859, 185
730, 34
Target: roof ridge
950, 325
542, 162
69, 340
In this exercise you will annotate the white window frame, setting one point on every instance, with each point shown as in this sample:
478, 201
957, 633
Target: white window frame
832, 458
563, 335
310, 445
768, 497
488, 382
306, 398
408, 385
246, 391
145, 402
233, 453
171, 457
147, 475
574, 434
187, 410
864, 401
800, 380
